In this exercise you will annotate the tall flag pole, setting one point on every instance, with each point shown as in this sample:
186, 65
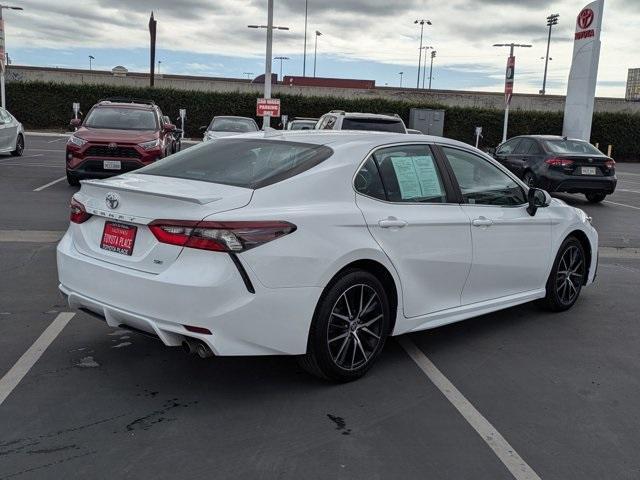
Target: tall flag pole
152, 32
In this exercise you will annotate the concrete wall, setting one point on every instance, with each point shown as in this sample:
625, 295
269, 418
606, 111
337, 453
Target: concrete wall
453, 98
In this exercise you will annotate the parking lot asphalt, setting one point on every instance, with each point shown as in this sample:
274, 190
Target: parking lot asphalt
562, 389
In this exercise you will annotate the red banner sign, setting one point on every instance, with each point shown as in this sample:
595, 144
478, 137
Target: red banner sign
268, 106
508, 81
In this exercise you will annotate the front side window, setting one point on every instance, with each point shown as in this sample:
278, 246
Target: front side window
410, 174
121, 118
507, 148
248, 163
481, 182
524, 147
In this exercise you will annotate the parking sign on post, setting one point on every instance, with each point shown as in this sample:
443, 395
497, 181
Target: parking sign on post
76, 109
183, 114
268, 107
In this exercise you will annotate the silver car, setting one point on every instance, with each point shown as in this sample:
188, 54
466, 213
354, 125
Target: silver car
11, 134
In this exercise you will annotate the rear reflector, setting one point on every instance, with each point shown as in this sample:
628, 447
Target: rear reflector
202, 330
559, 162
219, 236
78, 213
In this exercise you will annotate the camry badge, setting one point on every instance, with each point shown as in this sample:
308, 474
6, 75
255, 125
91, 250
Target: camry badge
112, 200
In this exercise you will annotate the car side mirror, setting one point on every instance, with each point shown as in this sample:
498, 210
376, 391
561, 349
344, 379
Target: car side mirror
75, 123
538, 198
202, 128
169, 127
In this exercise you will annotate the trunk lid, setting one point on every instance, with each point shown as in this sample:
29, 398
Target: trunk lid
585, 160
140, 200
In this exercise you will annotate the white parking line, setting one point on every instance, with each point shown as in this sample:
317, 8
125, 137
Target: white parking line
39, 189
505, 452
625, 190
621, 204
46, 165
14, 376
34, 236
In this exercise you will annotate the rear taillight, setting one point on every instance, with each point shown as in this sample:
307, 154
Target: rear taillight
78, 213
610, 164
559, 162
219, 236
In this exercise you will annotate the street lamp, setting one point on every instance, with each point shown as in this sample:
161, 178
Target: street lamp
421, 22
304, 57
3, 56
159, 63
91, 58
551, 21
315, 54
433, 55
281, 59
508, 101
424, 70
266, 120
401, 74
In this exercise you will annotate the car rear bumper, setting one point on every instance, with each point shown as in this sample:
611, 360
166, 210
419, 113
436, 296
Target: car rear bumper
202, 289
559, 182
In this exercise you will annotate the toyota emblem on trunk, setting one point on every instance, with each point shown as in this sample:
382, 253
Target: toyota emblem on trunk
112, 200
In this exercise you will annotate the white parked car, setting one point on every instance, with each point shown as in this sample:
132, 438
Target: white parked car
228, 126
373, 122
11, 134
318, 244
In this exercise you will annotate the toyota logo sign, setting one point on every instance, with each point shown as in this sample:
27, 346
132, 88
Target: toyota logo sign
112, 146
585, 18
112, 200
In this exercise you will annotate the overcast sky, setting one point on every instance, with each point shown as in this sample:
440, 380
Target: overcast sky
371, 39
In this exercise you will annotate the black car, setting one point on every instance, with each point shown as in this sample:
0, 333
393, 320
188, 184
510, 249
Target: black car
559, 164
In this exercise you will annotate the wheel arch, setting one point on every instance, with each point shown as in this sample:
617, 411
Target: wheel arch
586, 246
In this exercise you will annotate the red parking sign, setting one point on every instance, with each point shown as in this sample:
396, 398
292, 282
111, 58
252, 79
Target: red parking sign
268, 106
508, 83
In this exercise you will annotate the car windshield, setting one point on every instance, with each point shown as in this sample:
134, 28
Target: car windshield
571, 146
249, 163
302, 125
240, 125
375, 124
122, 118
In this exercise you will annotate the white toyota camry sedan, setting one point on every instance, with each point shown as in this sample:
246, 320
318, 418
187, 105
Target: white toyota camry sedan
317, 244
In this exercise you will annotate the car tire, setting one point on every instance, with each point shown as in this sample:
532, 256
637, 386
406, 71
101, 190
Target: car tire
73, 180
595, 197
567, 276
349, 328
19, 146
529, 179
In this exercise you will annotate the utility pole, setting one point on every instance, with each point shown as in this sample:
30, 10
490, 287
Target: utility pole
281, 59
152, 51
421, 22
3, 55
266, 120
433, 55
91, 58
401, 74
424, 70
315, 54
551, 21
509, 78
304, 57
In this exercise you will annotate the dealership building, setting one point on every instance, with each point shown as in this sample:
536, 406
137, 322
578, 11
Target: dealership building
633, 85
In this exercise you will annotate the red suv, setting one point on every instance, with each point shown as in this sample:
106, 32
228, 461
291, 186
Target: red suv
118, 135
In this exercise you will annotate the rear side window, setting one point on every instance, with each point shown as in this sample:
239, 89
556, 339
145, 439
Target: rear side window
368, 181
409, 174
373, 124
571, 146
248, 163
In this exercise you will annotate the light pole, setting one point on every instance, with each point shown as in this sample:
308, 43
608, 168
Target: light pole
304, 57
3, 56
401, 74
421, 22
91, 58
508, 100
424, 70
433, 55
281, 59
266, 120
315, 53
551, 21
159, 63
248, 74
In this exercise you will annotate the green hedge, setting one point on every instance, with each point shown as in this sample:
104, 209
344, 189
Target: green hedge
48, 106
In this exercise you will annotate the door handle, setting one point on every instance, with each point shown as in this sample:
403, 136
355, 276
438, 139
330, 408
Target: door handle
392, 222
482, 222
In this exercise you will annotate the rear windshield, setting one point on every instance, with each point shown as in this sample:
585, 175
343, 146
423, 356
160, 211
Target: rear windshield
121, 118
249, 163
302, 125
571, 146
240, 125
375, 124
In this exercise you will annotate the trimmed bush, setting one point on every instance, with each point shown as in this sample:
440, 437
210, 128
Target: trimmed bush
40, 105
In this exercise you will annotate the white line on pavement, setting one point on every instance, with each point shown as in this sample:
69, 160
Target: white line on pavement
625, 190
505, 452
621, 204
56, 140
30, 165
14, 376
45, 150
30, 236
39, 189
47, 134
